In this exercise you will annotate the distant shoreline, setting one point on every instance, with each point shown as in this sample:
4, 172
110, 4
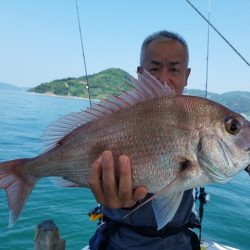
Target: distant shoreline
62, 96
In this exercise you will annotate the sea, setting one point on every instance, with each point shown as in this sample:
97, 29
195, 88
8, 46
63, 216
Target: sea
24, 117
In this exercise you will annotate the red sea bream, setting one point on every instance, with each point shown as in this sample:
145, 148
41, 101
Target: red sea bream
174, 143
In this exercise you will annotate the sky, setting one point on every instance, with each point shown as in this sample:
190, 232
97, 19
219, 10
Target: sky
40, 39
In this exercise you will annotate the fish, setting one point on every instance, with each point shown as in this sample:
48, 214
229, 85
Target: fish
174, 143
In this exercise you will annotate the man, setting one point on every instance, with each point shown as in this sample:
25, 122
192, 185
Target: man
165, 55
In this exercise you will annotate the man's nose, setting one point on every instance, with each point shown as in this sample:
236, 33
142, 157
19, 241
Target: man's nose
163, 76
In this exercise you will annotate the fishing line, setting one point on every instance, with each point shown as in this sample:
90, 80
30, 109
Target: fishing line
208, 36
202, 195
219, 33
83, 54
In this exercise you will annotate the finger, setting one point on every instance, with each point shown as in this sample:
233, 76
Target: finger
140, 193
95, 180
108, 179
125, 190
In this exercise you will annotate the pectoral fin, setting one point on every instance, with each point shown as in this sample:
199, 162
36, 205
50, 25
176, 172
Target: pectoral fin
165, 202
165, 207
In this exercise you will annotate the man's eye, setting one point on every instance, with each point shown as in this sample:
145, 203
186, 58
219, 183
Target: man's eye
154, 69
174, 70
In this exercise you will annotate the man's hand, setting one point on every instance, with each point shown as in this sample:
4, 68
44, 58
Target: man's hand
106, 189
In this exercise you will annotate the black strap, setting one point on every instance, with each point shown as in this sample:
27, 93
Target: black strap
151, 232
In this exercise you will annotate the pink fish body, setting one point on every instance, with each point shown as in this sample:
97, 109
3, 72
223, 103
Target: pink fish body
174, 143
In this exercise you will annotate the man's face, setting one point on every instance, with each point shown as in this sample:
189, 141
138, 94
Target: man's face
167, 61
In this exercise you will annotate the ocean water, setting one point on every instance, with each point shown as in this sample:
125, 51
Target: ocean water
23, 118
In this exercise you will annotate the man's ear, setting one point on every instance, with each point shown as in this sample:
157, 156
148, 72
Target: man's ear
140, 69
188, 71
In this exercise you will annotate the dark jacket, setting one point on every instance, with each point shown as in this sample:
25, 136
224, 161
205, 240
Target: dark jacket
119, 236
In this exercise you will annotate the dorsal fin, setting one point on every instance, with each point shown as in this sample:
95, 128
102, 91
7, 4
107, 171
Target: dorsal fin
147, 87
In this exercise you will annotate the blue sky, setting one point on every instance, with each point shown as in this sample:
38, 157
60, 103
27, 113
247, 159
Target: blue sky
40, 39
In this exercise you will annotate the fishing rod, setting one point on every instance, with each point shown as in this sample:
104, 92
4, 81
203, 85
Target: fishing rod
219, 33
83, 54
203, 196
203, 199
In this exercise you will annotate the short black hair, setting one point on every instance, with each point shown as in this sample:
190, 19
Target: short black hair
162, 35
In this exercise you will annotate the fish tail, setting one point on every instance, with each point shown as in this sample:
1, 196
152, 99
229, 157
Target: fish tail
17, 186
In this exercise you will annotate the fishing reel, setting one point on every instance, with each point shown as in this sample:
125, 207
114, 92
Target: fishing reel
204, 197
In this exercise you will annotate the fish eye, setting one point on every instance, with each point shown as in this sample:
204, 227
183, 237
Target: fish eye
232, 126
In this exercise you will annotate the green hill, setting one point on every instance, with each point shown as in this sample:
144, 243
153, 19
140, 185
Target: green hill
239, 101
101, 84
113, 81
